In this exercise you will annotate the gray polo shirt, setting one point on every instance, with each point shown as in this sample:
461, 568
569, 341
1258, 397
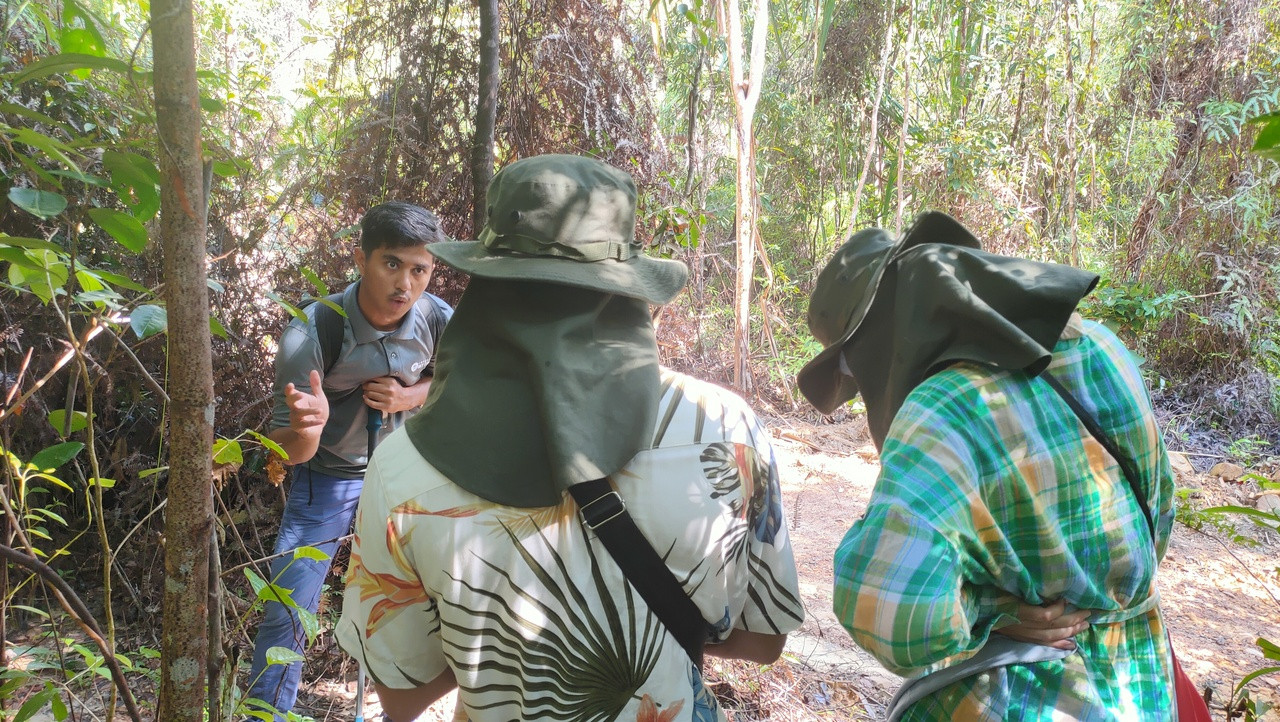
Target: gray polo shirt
367, 353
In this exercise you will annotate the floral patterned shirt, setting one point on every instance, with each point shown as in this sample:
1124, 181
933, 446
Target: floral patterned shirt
532, 614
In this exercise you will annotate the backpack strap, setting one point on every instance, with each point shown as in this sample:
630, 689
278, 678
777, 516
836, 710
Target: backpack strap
330, 328
1095, 429
605, 513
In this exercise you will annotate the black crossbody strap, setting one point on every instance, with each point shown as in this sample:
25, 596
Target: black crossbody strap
605, 513
1126, 464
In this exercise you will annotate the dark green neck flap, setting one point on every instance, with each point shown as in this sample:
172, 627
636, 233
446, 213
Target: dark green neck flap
939, 304
539, 386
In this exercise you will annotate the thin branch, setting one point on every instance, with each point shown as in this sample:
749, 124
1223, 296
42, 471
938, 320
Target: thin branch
95, 328
146, 375
287, 552
78, 611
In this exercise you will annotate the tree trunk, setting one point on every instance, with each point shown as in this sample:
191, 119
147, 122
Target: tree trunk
901, 180
182, 228
486, 115
873, 136
746, 93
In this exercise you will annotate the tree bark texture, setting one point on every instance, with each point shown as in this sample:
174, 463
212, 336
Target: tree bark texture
746, 93
182, 228
486, 115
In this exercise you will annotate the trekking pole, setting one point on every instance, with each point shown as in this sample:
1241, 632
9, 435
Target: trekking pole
373, 424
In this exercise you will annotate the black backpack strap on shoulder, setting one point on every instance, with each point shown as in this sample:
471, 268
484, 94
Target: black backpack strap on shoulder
330, 329
605, 513
1126, 464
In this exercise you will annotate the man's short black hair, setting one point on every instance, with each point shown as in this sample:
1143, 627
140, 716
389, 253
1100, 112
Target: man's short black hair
396, 224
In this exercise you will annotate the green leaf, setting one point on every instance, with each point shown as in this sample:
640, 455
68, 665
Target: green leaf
256, 582
310, 624
104, 483
35, 703
32, 115
336, 307
34, 243
43, 204
151, 472
305, 552
53, 148
223, 169
1270, 649
18, 257
148, 320
215, 286
211, 105
1254, 675
49, 459
1243, 511
292, 309
275, 593
282, 655
58, 419
216, 328
38, 613
88, 281
135, 180
86, 178
64, 62
116, 279
84, 42
227, 451
51, 479
273, 446
311, 276
123, 227
1269, 136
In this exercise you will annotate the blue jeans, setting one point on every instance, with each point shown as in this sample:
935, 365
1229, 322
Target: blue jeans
319, 508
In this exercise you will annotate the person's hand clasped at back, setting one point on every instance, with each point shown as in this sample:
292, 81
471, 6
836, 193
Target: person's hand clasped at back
1050, 625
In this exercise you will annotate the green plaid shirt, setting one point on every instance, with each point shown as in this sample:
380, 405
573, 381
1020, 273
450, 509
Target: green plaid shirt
991, 491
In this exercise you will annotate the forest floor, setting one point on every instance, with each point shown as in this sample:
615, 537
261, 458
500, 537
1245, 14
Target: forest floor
1218, 595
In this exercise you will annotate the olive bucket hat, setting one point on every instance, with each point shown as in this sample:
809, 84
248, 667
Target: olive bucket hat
568, 220
846, 288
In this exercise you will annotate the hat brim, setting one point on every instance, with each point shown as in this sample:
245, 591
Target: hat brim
821, 380
656, 280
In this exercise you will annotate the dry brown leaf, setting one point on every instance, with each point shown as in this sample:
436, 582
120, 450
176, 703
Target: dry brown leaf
275, 470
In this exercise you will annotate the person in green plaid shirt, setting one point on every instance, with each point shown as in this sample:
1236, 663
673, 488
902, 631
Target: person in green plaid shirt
1004, 564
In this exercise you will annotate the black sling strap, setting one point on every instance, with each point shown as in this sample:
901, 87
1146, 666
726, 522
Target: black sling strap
1126, 464
605, 513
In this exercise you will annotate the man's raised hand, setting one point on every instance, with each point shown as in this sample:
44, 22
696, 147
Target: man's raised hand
308, 412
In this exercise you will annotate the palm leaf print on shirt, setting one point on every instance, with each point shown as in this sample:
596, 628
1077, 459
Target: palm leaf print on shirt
578, 662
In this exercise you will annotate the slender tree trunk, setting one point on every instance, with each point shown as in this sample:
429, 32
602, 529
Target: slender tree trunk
188, 521
486, 115
1070, 123
906, 120
873, 136
746, 93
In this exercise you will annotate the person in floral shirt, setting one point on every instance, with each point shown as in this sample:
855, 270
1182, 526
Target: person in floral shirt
471, 566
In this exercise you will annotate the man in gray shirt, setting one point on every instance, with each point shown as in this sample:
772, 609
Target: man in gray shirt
321, 409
